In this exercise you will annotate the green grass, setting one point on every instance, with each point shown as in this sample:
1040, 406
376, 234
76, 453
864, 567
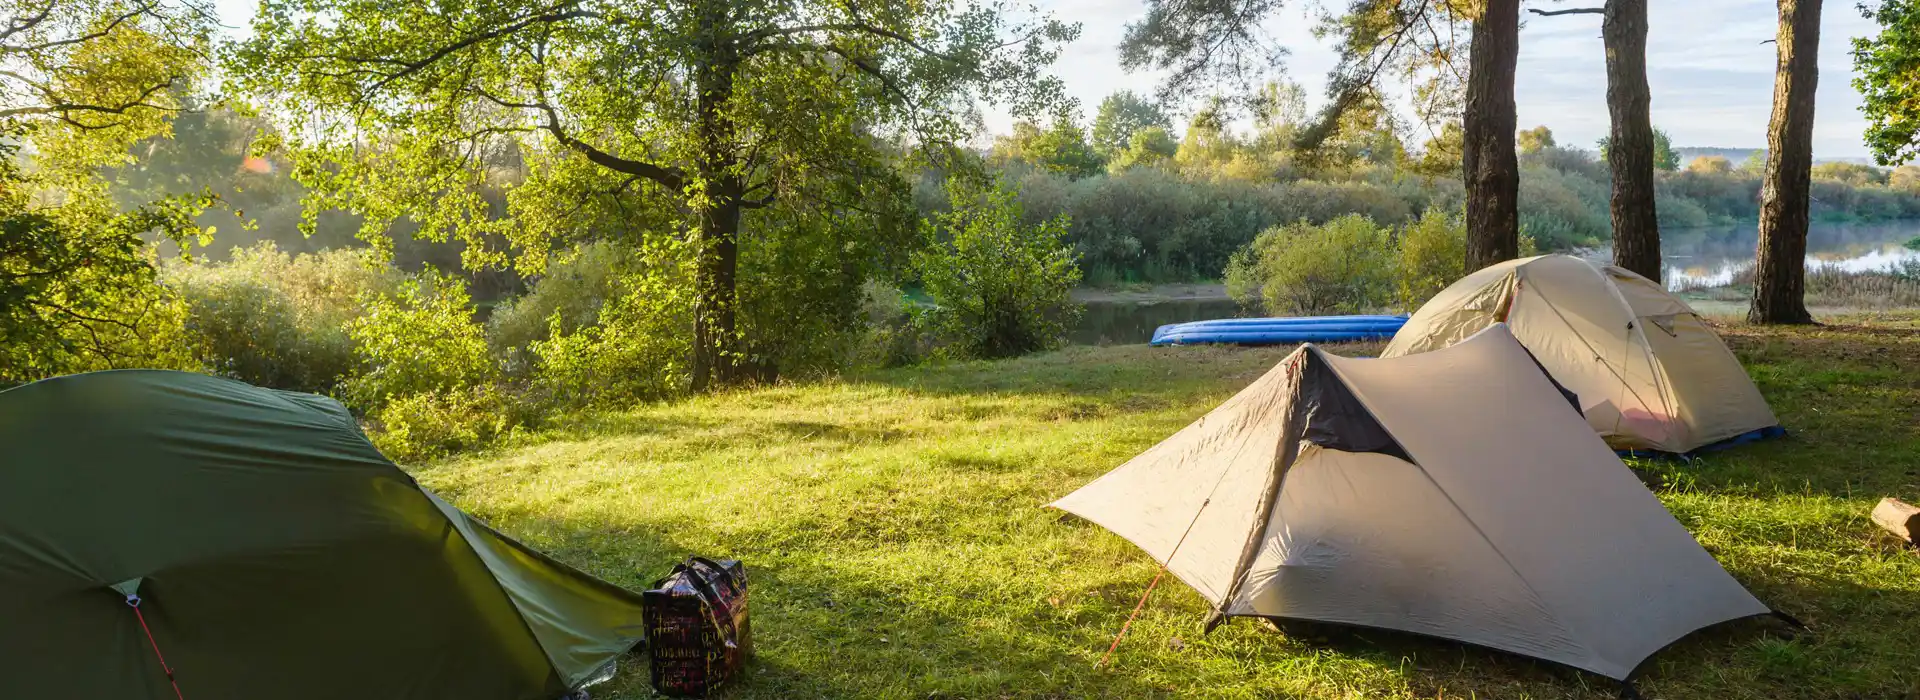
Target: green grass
895, 532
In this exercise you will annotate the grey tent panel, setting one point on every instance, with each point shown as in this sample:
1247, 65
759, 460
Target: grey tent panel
1500, 520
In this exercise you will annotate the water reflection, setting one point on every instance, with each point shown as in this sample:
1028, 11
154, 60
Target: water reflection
1706, 257
1128, 322
1710, 257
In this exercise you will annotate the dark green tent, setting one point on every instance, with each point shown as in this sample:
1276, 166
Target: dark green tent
274, 554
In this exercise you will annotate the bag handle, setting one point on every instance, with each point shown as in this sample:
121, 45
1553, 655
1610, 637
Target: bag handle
733, 581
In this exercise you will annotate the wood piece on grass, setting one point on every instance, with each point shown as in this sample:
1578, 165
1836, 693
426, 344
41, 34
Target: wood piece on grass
1898, 517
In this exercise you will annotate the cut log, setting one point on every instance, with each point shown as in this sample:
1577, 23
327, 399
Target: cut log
1899, 518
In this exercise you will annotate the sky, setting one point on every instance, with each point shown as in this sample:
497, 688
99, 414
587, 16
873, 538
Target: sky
1712, 79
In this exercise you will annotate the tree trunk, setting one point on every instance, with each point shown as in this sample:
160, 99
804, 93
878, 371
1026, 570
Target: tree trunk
716, 352
716, 340
1780, 267
1636, 226
1492, 168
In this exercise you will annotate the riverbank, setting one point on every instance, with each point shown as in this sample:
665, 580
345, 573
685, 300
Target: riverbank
894, 526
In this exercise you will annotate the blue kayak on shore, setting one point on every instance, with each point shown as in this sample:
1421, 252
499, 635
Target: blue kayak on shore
1280, 331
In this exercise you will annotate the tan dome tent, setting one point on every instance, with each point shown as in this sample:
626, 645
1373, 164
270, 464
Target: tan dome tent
1453, 494
257, 543
1649, 373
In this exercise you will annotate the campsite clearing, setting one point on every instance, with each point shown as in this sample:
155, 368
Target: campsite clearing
894, 529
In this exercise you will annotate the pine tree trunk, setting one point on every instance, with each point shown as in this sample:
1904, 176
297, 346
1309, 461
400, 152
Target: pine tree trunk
1636, 225
1779, 272
1492, 168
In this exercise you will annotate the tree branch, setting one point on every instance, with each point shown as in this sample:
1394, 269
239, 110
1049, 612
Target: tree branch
1574, 11
667, 176
557, 14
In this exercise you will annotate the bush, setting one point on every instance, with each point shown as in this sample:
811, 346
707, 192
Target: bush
637, 349
1432, 255
439, 423
574, 288
420, 339
1343, 266
272, 319
1000, 288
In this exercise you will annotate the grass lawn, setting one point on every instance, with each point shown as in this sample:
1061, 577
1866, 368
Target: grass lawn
894, 530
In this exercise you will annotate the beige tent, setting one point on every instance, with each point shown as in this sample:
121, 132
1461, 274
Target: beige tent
1453, 494
1649, 373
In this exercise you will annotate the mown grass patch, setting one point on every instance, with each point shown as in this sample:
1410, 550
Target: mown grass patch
894, 526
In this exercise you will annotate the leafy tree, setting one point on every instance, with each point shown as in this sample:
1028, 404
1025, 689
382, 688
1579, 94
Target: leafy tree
1001, 289
1280, 113
1147, 147
1209, 144
1711, 165
82, 81
686, 110
1887, 74
1906, 178
1441, 155
1535, 139
1061, 148
1755, 164
1122, 115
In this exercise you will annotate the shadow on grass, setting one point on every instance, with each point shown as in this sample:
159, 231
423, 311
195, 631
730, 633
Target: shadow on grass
823, 631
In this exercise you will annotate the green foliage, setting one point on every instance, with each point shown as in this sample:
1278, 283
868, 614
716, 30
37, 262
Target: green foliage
1432, 255
1562, 210
1149, 147
278, 320
1344, 266
419, 427
1280, 114
1208, 145
1000, 288
1905, 178
1665, 159
637, 123
1443, 155
1887, 75
1854, 174
82, 81
635, 349
417, 340
1121, 117
1711, 165
78, 290
568, 297
1061, 148
1535, 139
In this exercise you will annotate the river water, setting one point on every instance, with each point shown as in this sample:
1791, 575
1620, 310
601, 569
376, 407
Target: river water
1702, 257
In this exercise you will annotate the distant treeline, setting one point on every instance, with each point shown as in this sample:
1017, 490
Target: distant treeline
1165, 223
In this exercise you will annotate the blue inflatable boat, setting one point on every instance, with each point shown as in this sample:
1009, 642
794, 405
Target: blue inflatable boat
1280, 331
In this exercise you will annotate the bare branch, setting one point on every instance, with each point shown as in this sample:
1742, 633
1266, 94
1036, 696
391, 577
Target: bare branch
1574, 11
